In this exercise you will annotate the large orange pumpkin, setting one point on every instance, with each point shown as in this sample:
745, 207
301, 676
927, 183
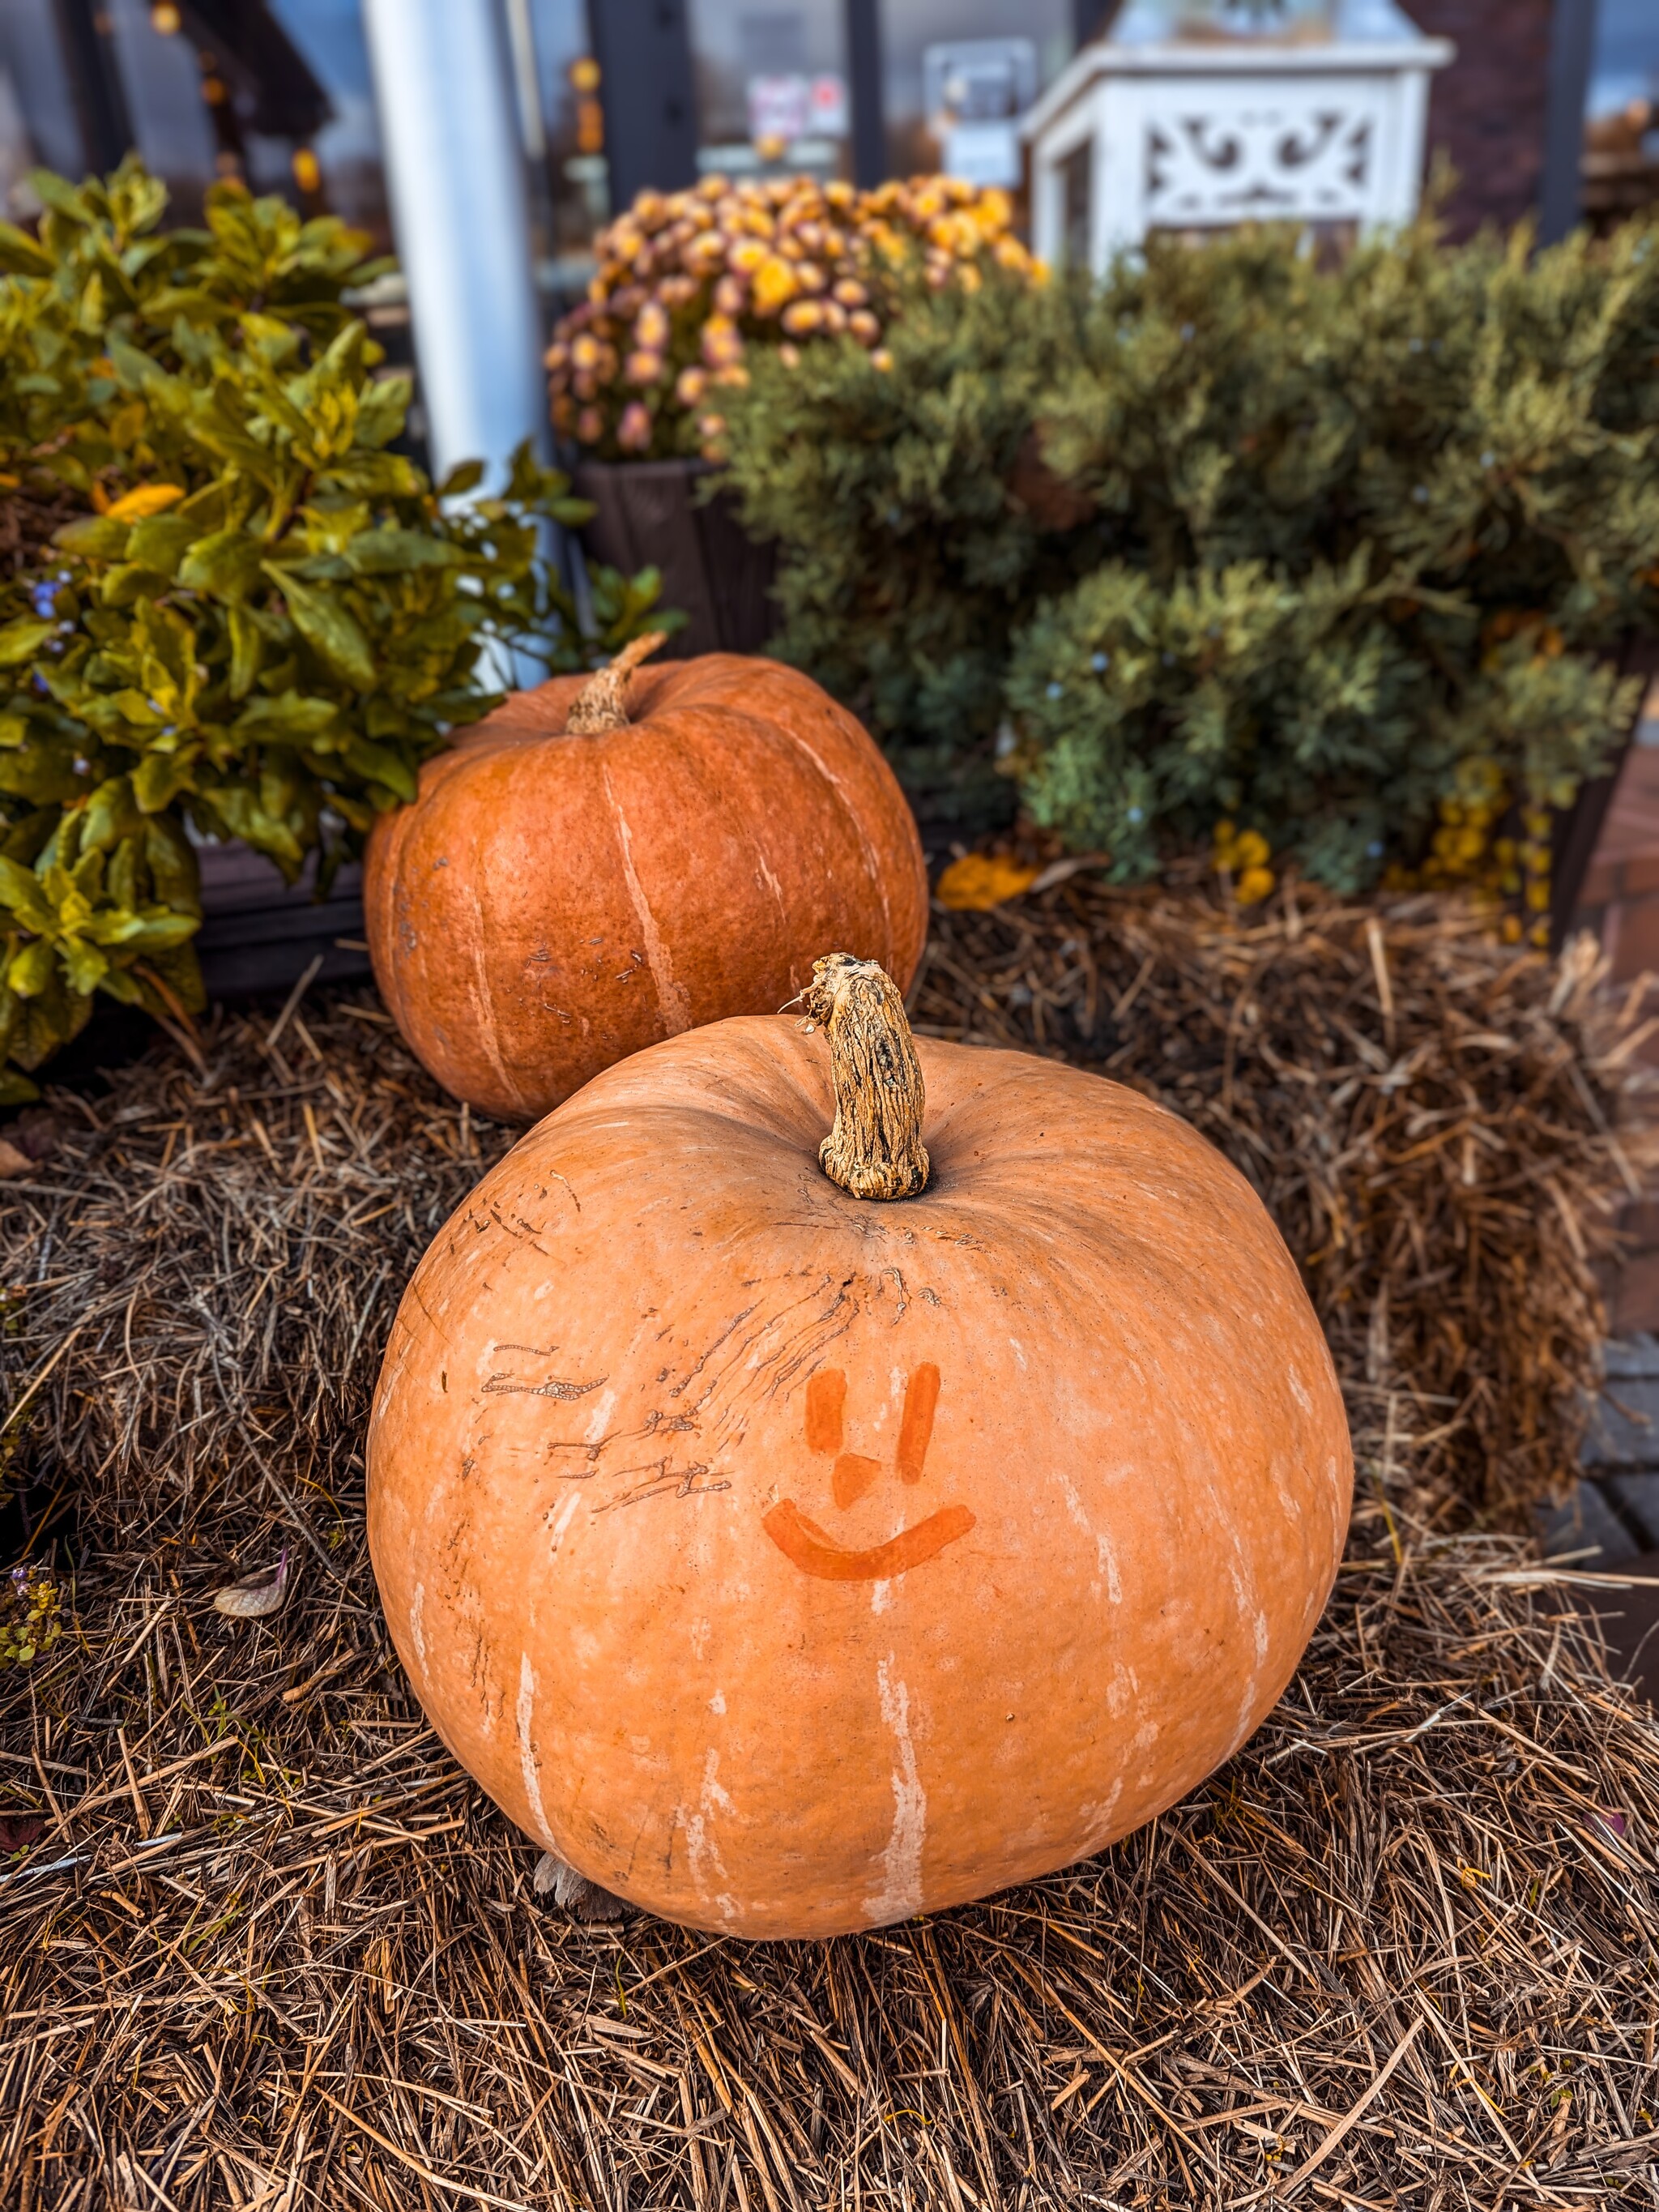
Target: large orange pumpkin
790, 1561
597, 865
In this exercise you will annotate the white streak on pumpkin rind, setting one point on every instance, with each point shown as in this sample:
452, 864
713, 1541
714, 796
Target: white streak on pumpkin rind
567, 1514
532, 1780
1250, 1616
701, 1850
416, 1605
769, 878
1096, 1821
673, 1000
1105, 1557
600, 1420
901, 1895
855, 816
478, 982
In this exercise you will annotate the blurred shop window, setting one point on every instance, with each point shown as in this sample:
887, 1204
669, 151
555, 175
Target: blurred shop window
39, 121
1621, 113
563, 124
1194, 22
957, 75
338, 168
165, 87
199, 89
975, 91
772, 90
213, 88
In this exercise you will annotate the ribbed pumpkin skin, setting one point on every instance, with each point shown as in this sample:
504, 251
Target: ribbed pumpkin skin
791, 1564
551, 903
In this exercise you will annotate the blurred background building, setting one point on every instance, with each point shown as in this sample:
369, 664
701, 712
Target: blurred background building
1552, 106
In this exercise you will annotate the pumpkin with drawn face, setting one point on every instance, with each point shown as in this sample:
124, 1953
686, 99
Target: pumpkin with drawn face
795, 1532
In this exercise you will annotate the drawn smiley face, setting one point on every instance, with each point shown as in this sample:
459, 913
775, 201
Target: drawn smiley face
807, 1546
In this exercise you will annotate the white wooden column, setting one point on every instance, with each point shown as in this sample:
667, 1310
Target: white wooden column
454, 170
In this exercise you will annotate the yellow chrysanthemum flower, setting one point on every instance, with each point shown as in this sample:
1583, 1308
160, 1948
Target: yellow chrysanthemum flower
774, 285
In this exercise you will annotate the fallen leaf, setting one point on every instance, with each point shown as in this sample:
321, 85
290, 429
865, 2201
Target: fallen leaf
35, 1133
979, 881
255, 1596
12, 1162
573, 1891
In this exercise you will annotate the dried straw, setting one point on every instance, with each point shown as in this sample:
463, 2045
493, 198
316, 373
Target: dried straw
271, 1948
1443, 1127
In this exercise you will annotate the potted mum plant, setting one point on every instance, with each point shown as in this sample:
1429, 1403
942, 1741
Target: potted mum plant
688, 285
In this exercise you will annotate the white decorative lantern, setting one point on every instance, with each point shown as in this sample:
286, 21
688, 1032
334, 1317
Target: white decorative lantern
1162, 126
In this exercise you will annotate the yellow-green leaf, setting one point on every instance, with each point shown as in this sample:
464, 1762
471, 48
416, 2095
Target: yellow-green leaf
21, 891
30, 970
94, 537
20, 641
328, 629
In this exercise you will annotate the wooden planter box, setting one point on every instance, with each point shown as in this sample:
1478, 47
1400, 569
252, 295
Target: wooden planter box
257, 934
646, 514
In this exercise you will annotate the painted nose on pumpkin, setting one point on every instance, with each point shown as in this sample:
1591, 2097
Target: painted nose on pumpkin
853, 1475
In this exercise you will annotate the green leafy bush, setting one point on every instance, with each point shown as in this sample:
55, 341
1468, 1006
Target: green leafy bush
231, 606
1358, 537
917, 525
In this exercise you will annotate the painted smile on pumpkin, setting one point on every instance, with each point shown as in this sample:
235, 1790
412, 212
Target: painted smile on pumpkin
807, 1546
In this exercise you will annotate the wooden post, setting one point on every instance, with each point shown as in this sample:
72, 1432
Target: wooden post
643, 48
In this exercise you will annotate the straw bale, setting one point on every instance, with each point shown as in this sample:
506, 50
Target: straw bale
262, 1942
1444, 1127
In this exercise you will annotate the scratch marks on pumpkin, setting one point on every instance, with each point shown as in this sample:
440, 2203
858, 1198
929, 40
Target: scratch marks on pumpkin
528, 1765
761, 1355
963, 1238
506, 1386
415, 1293
664, 1480
776, 1351
520, 1230
736, 1322
593, 1447
504, 1383
901, 1894
673, 1000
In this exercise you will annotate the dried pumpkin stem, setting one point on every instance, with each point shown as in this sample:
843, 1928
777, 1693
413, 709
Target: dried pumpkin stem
602, 702
875, 1149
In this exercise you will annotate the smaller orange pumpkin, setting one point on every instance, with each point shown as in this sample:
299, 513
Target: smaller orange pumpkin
573, 885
